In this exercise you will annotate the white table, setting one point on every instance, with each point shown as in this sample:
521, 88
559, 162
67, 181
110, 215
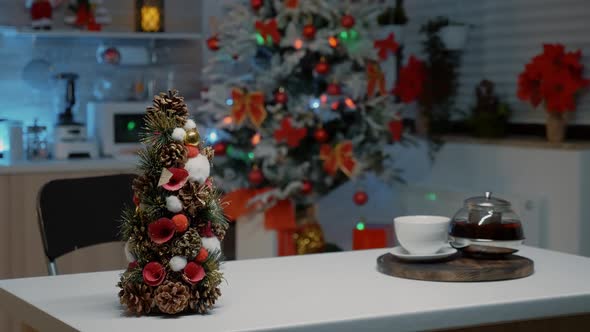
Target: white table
327, 292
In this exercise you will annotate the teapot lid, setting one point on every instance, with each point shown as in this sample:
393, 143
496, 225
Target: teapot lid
487, 201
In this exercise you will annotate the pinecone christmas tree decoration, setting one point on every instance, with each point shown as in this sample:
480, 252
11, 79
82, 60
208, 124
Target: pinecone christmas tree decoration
219, 231
138, 298
172, 297
162, 233
172, 104
188, 245
142, 185
208, 152
194, 196
173, 155
203, 299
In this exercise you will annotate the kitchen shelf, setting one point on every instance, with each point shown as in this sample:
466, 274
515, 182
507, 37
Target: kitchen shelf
14, 32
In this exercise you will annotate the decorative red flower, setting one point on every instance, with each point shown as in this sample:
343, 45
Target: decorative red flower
176, 177
385, 46
202, 256
153, 274
193, 273
410, 84
161, 230
553, 77
288, 133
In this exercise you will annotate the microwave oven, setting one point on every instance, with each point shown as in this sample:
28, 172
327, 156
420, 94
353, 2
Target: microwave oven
117, 126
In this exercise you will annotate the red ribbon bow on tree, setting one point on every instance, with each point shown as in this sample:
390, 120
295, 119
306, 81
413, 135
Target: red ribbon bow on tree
269, 29
385, 45
339, 157
288, 133
248, 105
375, 79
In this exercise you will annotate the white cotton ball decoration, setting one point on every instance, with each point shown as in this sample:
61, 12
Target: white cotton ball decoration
198, 168
177, 263
173, 204
190, 124
178, 134
211, 243
128, 254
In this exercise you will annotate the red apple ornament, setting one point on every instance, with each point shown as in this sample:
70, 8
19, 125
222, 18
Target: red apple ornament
256, 177
322, 67
347, 21
309, 31
360, 198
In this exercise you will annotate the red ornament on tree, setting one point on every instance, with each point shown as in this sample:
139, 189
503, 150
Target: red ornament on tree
220, 148
281, 96
256, 4
347, 21
309, 31
213, 43
321, 135
307, 187
396, 128
322, 67
334, 89
360, 197
255, 176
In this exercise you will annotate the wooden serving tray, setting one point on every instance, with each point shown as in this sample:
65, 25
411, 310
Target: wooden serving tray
457, 268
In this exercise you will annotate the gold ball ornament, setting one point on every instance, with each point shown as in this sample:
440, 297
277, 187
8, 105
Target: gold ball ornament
309, 239
192, 137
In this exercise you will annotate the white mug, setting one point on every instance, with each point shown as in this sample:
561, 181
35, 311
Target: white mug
422, 235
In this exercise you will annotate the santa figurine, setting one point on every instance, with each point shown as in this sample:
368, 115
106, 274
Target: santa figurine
41, 12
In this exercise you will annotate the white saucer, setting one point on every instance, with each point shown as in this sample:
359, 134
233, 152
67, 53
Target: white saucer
401, 253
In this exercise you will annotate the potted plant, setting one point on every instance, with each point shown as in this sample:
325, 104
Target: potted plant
489, 117
553, 79
454, 36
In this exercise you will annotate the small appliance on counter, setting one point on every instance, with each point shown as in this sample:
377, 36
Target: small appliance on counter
71, 140
486, 227
11, 141
117, 127
37, 145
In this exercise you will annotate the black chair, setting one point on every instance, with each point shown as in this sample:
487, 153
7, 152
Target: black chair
77, 213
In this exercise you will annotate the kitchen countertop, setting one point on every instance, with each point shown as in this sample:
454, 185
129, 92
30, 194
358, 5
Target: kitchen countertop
322, 292
74, 165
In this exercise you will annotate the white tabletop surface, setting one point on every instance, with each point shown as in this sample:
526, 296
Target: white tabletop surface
326, 292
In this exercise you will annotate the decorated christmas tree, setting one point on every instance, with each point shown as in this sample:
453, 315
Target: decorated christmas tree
173, 234
298, 98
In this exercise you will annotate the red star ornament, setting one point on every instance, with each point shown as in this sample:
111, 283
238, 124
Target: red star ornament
289, 134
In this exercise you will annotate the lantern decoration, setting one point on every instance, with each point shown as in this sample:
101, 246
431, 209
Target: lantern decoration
149, 15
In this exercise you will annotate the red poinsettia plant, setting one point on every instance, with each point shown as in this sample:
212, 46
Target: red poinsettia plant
553, 77
410, 85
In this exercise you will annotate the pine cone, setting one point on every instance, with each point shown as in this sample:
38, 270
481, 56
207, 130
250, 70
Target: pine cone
208, 152
203, 299
173, 155
219, 230
172, 297
172, 104
188, 245
142, 185
137, 298
194, 196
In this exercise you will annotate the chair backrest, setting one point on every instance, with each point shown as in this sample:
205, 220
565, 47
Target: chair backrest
76, 213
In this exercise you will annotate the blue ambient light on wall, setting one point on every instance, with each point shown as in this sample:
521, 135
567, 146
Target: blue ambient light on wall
229, 101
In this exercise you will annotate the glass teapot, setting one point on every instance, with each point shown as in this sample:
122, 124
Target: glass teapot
486, 227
